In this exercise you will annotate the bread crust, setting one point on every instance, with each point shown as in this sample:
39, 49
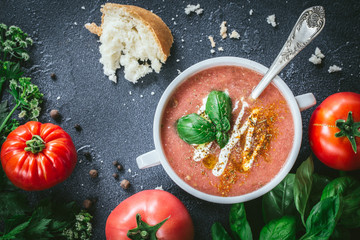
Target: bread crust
155, 24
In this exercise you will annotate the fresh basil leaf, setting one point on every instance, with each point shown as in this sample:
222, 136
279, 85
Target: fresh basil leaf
194, 129
323, 219
302, 187
318, 185
218, 108
280, 200
349, 190
218, 232
283, 228
222, 138
340, 233
238, 223
340, 186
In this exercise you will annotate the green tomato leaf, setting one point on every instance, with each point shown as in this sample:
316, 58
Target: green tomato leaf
283, 228
194, 129
302, 187
323, 219
222, 138
349, 190
280, 200
218, 108
218, 232
238, 222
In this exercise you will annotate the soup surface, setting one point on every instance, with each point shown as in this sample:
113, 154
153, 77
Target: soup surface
261, 133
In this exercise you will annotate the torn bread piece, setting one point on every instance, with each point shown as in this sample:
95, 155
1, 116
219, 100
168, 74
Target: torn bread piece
132, 37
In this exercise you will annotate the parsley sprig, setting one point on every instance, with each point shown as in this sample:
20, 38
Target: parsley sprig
13, 51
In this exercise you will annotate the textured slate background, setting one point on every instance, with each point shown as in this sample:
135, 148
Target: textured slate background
118, 126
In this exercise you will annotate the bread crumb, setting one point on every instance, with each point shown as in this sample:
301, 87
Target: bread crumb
318, 53
212, 51
159, 188
251, 12
130, 92
235, 34
178, 71
152, 93
193, 8
317, 57
212, 42
83, 7
220, 49
223, 30
334, 68
271, 20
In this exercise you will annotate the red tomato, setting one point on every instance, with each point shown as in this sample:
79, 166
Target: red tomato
37, 156
153, 206
336, 152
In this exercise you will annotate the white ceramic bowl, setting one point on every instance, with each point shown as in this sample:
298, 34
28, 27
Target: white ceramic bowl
296, 104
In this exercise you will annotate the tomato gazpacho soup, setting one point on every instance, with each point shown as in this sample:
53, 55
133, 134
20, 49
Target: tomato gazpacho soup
220, 141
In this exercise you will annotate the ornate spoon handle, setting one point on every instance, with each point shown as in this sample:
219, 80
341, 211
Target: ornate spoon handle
307, 27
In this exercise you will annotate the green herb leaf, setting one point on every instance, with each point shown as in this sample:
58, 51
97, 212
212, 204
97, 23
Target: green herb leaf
280, 200
194, 129
218, 232
38, 228
323, 218
302, 187
218, 108
222, 138
16, 231
12, 203
283, 228
318, 185
349, 190
340, 233
238, 223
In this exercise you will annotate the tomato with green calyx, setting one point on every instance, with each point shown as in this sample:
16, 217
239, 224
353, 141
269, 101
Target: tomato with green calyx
150, 214
334, 131
37, 156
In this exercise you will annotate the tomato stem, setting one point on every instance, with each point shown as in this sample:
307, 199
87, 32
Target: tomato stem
349, 129
35, 145
144, 230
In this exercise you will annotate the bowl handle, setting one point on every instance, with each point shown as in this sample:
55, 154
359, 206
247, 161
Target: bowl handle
149, 159
305, 101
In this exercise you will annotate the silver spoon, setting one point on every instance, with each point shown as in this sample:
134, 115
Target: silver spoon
307, 27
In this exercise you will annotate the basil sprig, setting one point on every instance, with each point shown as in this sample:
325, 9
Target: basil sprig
195, 129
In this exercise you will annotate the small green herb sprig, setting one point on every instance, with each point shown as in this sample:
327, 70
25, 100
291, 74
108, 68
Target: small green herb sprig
13, 51
195, 129
303, 206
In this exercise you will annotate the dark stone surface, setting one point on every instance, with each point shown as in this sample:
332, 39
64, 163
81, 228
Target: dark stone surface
118, 126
